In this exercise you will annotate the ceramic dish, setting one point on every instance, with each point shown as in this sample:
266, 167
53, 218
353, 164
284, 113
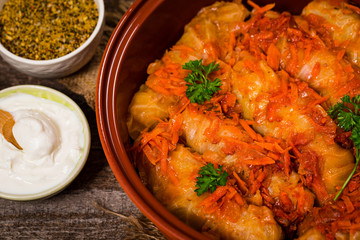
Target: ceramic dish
143, 34
58, 97
62, 66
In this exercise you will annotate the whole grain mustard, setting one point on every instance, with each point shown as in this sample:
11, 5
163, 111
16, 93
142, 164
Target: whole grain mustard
46, 29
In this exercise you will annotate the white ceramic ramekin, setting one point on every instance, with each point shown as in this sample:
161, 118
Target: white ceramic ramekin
56, 96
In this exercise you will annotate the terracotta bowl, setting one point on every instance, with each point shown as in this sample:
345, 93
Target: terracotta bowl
143, 34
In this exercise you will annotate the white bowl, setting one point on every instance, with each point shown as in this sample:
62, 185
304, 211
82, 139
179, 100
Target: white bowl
62, 66
54, 95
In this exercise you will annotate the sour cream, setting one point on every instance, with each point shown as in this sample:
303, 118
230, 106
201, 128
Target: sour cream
52, 138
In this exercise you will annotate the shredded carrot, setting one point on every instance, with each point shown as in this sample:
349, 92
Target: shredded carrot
179, 108
249, 122
307, 53
278, 148
258, 148
273, 156
256, 183
259, 9
231, 144
173, 176
212, 130
287, 162
149, 154
284, 78
318, 101
295, 32
251, 177
349, 206
214, 197
261, 176
260, 138
175, 128
248, 129
184, 49
316, 70
352, 7
259, 161
295, 150
266, 145
272, 139
354, 84
241, 183
293, 63
212, 50
146, 137
168, 79
285, 201
232, 192
273, 57
340, 54
228, 101
239, 199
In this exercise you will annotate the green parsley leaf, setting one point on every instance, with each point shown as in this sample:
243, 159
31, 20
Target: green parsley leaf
210, 178
199, 87
346, 113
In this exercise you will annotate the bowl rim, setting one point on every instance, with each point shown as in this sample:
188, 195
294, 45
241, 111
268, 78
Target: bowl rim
85, 153
123, 170
101, 9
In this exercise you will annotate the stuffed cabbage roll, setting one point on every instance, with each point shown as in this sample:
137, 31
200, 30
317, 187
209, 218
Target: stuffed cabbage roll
338, 220
288, 43
330, 76
222, 218
165, 84
226, 142
285, 109
146, 107
338, 21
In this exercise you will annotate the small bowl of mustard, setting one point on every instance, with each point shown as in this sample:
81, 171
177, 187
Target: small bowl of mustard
50, 39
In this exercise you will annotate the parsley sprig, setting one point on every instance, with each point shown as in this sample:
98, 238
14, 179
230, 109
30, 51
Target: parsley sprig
199, 87
210, 178
346, 113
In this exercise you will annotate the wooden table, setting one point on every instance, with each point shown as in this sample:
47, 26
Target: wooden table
71, 214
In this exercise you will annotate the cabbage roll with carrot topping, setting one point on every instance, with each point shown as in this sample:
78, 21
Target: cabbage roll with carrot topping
211, 32
289, 110
165, 84
288, 43
227, 143
225, 218
147, 106
339, 20
321, 69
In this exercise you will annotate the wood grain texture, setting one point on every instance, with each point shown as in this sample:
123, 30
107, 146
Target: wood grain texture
71, 214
